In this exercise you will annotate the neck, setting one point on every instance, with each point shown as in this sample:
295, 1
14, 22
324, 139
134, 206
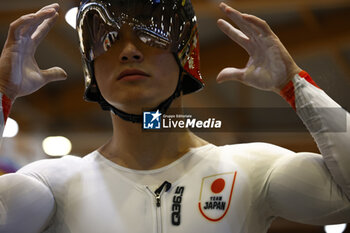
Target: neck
134, 148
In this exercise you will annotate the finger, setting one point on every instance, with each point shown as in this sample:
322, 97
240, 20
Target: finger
21, 21
43, 29
38, 19
261, 24
237, 18
54, 74
230, 74
235, 34
18, 27
56, 6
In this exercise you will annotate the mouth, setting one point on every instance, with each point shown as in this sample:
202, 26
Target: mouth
132, 74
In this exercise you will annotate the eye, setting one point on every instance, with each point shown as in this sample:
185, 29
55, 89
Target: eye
109, 40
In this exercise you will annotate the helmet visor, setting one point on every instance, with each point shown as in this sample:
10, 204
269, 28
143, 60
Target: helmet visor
154, 22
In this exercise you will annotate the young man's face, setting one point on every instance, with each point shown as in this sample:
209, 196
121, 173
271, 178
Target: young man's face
132, 75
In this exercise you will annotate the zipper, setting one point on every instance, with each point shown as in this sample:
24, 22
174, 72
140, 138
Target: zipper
157, 195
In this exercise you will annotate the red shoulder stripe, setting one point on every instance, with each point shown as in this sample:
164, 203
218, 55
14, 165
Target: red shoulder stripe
6, 106
288, 92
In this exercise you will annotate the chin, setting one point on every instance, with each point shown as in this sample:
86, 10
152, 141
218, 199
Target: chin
135, 100
135, 104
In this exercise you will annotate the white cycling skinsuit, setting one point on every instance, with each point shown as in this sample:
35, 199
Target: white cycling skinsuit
235, 188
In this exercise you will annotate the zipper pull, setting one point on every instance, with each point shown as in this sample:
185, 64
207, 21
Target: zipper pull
165, 184
159, 191
158, 200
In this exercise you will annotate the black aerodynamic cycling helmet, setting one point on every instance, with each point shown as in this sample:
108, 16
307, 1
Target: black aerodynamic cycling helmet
167, 24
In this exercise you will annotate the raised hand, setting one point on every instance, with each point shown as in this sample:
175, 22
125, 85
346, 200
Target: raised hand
19, 72
270, 66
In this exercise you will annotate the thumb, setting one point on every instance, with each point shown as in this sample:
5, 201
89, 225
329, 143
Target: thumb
230, 74
54, 74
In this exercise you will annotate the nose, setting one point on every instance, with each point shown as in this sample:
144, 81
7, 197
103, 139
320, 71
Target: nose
130, 53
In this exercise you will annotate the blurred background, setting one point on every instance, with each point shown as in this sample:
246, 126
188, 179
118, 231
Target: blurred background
315, 32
